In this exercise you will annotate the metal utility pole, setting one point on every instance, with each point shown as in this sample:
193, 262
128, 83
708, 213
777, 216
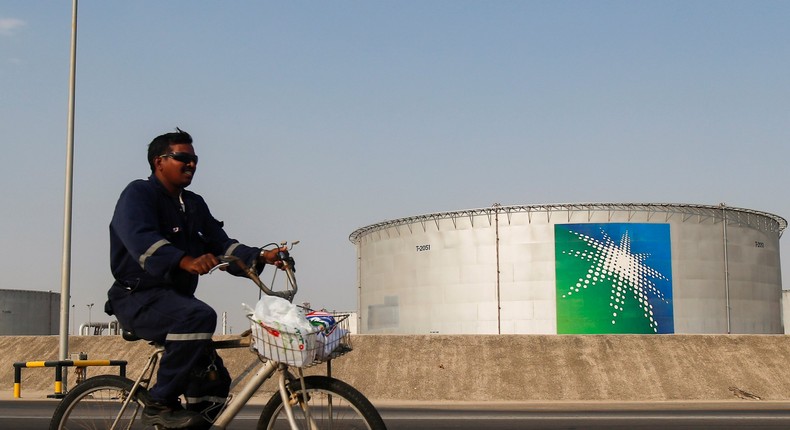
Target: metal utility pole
65, 275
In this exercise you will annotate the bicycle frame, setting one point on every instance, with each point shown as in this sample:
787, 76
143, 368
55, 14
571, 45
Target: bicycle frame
235, 403
306, 402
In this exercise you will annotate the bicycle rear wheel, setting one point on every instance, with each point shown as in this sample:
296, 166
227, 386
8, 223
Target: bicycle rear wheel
332, 404
96, 402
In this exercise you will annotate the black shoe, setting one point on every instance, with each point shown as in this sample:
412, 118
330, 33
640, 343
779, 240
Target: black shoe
171, 417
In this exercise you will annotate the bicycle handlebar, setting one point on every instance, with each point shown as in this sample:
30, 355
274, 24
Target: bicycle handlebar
287, 265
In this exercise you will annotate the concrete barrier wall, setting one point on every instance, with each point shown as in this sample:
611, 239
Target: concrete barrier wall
490, 367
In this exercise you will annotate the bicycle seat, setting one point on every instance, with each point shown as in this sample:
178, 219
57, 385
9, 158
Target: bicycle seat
129, 335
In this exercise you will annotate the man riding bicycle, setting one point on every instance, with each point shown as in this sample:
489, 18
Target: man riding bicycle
162, 238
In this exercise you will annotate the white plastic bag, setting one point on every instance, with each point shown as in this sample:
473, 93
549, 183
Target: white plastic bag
282, 333
276, 310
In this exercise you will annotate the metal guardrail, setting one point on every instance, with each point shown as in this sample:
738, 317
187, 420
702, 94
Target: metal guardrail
59, 365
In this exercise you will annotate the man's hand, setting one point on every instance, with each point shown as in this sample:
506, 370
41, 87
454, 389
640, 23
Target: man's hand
200, 265
272, 256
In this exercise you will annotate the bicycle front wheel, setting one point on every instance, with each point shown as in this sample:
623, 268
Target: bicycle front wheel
331, 404
96, 403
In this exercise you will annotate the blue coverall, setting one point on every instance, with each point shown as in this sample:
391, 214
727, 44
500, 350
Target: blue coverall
150, 232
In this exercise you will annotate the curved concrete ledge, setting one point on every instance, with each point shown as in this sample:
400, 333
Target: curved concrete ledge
491, 367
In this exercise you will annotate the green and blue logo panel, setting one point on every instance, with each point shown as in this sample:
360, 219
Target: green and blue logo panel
613, 278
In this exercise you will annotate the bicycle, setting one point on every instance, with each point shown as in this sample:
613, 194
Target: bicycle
313, 402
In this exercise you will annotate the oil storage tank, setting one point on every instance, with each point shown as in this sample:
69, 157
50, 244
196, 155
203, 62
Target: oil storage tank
25, 313
597, 268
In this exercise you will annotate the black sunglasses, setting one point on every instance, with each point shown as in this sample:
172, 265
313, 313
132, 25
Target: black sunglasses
183, 157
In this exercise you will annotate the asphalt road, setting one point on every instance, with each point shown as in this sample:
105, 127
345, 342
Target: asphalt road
35, 414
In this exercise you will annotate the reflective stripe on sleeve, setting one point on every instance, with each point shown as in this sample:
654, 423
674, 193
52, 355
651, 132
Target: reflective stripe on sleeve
150, 251
231, 248
174, 337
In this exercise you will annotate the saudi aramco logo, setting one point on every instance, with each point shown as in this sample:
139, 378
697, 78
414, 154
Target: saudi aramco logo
613, 278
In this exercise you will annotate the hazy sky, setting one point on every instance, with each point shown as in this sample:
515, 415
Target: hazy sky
313, 119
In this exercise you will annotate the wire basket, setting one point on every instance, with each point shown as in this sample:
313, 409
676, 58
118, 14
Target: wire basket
331, 338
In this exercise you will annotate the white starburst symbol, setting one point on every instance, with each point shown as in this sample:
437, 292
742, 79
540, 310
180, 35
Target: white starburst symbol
626, 272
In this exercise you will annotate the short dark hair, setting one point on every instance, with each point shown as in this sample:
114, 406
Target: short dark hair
161, 144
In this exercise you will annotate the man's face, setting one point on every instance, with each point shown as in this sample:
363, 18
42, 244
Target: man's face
177, 167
